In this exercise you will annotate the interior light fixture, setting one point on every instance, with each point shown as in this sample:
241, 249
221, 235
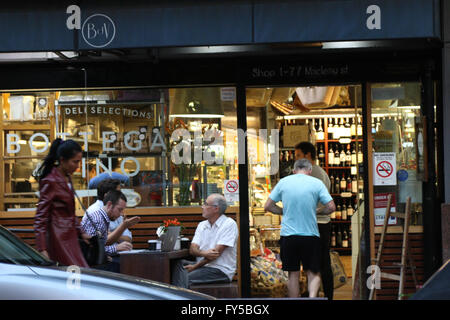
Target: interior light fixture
196, 103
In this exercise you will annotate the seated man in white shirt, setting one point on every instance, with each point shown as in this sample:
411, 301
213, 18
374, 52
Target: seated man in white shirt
214, 246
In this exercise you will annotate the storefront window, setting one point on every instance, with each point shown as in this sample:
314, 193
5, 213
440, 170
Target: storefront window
175, 146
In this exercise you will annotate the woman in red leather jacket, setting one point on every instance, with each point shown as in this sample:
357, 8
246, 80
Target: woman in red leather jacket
56, 226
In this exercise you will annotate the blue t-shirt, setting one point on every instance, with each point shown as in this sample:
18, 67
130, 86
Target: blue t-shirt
93, 183
300, 194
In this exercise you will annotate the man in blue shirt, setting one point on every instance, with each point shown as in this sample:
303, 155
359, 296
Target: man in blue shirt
299, 241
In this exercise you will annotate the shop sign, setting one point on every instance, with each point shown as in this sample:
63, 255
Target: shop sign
384, 164
379, 208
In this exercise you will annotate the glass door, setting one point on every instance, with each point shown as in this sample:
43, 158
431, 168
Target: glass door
398, 167
328, 118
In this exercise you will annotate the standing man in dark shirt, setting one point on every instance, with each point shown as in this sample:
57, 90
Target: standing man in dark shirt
306, 150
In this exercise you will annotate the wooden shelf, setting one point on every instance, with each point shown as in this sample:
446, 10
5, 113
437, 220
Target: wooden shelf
341, 221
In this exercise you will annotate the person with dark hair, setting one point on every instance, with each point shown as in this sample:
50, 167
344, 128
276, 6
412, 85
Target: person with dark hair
56, 225
306, 150
121, 225
114, 203
113, 174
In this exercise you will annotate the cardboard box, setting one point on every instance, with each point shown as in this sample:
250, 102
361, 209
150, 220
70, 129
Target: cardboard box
295, 134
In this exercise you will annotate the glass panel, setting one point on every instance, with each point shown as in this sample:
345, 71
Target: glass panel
398, 149
330, 118
140, 134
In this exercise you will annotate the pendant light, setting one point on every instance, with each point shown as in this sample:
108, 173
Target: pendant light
196, 103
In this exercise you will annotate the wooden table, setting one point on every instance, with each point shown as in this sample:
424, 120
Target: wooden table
153, 265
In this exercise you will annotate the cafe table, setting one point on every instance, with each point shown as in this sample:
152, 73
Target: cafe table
150, 264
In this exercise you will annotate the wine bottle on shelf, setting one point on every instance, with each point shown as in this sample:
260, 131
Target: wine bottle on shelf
343, 183
337, 129
338, 212
330, 156
344, 239
333, 237
360, 154
348, 157
339, 238
342, 157
321, 156
337, 157
337, 184
349, 184
344, 213
349, 210
320, 132
332, 183
333, 216
347, 127
353, 128
354, 185
330, 128
359, 129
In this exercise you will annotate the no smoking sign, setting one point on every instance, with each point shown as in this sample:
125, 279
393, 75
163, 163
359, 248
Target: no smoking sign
231, 190
384, 164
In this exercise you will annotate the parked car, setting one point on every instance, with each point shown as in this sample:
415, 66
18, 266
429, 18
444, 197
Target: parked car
26, 274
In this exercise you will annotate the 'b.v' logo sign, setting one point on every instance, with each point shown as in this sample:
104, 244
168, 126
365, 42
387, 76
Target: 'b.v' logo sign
98, 30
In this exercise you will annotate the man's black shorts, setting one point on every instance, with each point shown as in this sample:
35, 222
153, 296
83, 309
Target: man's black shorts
300, 249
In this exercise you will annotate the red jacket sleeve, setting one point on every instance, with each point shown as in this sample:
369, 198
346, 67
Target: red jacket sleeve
42, 215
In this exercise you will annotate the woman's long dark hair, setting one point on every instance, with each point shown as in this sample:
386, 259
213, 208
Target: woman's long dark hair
59, 149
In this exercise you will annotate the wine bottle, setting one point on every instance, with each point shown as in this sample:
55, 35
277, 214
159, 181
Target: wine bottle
337, 130
339, 238
360, 154
342, 157
320, 133
347, 131
349, 184
348, 157
337, 184
353, 128
345, 239
354, 185
349, 210
344, 213
321, 156
330, 156
338, 212
332, 184
337, 157
330, 129
359, 131
343, 183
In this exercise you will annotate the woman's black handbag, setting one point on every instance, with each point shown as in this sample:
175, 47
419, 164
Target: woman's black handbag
94, 252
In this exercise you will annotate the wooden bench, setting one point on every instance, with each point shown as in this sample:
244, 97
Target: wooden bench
218, 290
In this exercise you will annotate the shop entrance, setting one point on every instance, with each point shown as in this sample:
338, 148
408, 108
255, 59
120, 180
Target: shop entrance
371, 141
331, 119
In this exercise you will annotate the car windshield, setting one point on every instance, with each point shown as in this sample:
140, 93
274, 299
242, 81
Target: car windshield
13, 250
